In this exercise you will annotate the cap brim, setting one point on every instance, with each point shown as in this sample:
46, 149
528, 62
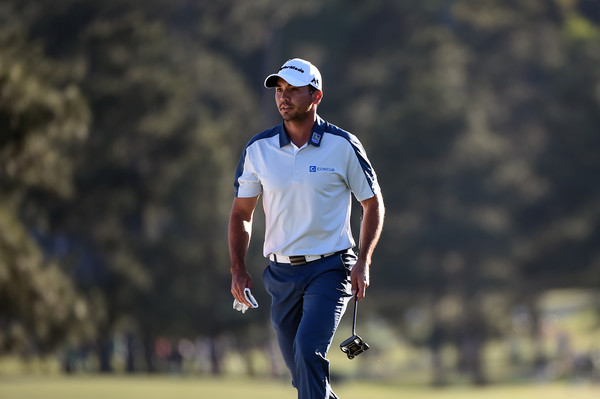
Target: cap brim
271, 80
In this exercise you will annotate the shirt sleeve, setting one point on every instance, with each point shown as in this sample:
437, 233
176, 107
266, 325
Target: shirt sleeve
246, 184
362, 178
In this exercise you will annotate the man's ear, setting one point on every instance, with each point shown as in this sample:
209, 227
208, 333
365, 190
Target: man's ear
317, 96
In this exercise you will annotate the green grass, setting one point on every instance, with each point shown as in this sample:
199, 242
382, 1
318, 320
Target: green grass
121, 387
394, 370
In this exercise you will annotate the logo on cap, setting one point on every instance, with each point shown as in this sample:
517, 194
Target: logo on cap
295, 68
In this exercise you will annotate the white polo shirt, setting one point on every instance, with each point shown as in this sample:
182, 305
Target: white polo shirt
306, 191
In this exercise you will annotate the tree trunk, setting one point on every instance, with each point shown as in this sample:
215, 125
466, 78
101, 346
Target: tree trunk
216, 356
130, 356
104, 349
471, 349
436, 342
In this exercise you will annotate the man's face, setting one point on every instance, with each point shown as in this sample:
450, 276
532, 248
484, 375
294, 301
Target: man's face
293, 102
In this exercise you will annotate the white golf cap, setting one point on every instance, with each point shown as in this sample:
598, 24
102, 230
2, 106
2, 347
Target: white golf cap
297, 72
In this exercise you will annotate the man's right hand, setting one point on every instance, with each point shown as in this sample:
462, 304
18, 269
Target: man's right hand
239, 281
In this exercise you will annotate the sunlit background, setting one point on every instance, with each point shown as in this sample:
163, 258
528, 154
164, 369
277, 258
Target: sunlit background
121, 125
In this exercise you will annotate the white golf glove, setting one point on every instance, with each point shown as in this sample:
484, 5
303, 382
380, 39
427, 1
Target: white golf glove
242, 307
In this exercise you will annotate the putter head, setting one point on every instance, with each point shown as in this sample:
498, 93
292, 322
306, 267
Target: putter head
353, 346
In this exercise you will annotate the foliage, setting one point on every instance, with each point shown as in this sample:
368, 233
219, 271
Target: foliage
43, 118
122, 125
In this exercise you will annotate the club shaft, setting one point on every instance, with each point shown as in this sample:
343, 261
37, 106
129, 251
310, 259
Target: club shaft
356, 295
354, 318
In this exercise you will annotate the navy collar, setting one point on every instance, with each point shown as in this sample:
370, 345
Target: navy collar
315, 138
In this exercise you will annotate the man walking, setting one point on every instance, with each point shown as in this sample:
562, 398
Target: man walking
306, 170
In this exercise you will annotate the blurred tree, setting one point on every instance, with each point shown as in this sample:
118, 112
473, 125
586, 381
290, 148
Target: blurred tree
144, 220
557, 241
146, 227
43, 120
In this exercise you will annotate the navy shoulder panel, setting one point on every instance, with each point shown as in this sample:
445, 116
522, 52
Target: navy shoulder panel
274, 131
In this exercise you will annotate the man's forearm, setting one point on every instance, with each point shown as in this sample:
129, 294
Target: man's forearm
371, 226
240, 232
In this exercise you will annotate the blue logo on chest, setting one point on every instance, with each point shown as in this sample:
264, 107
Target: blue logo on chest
314, 169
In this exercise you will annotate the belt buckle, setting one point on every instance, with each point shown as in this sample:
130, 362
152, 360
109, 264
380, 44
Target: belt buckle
297, 260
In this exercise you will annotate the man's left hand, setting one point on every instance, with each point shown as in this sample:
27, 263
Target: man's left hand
359, 277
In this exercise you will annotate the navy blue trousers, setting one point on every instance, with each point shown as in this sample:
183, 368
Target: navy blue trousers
307, 304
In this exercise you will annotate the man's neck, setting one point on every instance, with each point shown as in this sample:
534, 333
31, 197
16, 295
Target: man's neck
299, 131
